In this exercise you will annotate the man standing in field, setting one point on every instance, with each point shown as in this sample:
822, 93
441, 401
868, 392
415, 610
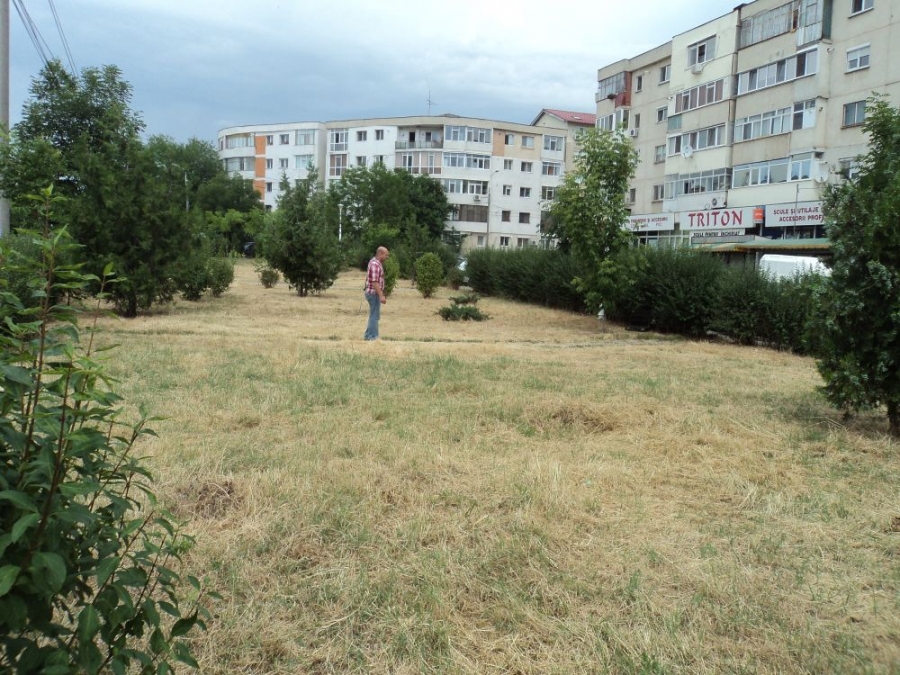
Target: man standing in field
375, 291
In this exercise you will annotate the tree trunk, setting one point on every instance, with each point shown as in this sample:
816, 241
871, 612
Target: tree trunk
893, 409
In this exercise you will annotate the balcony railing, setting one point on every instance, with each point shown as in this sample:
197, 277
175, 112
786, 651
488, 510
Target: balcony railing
418, 145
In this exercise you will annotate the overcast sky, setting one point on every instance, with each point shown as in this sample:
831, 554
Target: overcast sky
199, 65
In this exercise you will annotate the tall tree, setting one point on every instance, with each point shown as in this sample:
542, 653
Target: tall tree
590, 212
859, 322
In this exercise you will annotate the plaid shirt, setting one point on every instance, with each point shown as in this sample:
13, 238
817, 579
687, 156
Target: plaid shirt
374, 275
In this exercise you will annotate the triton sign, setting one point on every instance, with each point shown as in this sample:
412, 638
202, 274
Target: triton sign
717, 219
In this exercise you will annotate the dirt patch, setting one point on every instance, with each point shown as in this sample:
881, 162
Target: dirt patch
575, 415
212, 499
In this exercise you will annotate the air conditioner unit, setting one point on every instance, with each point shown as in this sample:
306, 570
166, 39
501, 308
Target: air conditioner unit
697, 68
633, 133
477, 198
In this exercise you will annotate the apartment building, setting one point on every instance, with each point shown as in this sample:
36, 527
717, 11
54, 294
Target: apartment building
499, 176
741, 121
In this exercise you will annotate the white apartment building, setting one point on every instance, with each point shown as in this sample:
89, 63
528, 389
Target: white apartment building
500, 177
740, 121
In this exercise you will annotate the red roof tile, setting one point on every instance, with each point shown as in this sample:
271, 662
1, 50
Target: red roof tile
586, 119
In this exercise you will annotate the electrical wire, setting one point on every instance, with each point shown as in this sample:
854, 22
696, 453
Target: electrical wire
62, 37
36, 38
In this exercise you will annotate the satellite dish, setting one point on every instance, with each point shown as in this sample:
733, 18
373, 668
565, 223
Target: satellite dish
687, 151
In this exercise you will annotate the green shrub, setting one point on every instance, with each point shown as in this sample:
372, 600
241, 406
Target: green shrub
86, 558
268, 276
465, 299
221, 274
462, 313
193, 277
391, 274
744, 304
429, 274
455, 277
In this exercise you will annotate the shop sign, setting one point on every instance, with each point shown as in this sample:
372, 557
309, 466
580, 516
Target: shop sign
797, 214
713, 220
651, 222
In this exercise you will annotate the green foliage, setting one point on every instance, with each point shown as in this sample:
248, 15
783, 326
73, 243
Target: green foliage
87, 560
465, 299
462, 313
391, 274
268, 277
429, 274
589, 212
858, 326
539, 276
193, 277
298, 240
221, 274
455, 277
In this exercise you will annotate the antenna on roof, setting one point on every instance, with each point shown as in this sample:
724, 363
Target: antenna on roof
430, 102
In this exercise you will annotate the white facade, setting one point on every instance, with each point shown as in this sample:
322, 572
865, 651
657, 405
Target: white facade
499, 176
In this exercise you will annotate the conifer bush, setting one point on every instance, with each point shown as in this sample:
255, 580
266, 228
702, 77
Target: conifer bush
429, 274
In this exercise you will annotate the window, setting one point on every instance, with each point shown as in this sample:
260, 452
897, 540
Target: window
453, 185
712, 180
360, 161
637, 120
785, 70
658, 192
527, 141
524, 192
551, 169
854, 113
406, 160
305, 137
283, 163
361, 135
270, 140
768, 24
610, 86
761, 173
659, 154
522, 242
639, 83
504, 242
524, 218
507, 190
378, 159
268, 187
848, 168
379, 134
665, 73
858, 6
337, 164
284, 139
270, 163
508, 164
467, 160
471, 134
554, 143
662, 114
302, 161
858, 58
505, 216
480, 240
701, 139
471, 213
239, 142
548, 193
801, 166
804, 115
632, 195
240, 164
526, 167
697, 97
337, 140
703, 51
509, 139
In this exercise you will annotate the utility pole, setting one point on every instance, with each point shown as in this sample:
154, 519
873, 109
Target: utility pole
4, 100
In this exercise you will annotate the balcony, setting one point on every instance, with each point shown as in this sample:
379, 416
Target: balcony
418, 145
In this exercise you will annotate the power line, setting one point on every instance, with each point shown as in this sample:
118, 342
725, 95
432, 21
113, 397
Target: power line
62, 37
36, 38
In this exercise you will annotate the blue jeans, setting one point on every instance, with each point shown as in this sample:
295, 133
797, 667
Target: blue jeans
374, 316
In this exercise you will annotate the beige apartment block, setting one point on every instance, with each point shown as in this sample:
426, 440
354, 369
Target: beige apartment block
500, 177
764, 106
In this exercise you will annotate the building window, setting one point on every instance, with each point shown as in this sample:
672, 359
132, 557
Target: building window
785, 70
857, 6
302, 161
703, 51
480, 240
361, 135
242, 141
470, 134
507, 190
848, 168
406, 160
524, 192
662, 114
522, 242
284, 139
638, 83
659, 154
858, 58
472, 213
268, 187
464, 160
505, 216
504, 242
773, 122
768, 24
658, 192
453, 185
379, 134
610, 86
854, 113
507, 164
337, 165
524, 218
270, 163
551, 169
360, 161
701, 139
632, 195
665, 73
509, 139
283, 163
270, 140
697, 97
526, 167
554, 143
527, 141
338, 140
713, 180
637, 120
378, 159
305, 137
548, 193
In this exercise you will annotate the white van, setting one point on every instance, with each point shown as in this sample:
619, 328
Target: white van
782, 266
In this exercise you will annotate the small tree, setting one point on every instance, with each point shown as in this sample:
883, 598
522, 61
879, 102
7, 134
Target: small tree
589, 213
859, 321
429, 274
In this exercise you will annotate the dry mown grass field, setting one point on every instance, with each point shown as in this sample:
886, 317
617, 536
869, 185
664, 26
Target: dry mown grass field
537, 493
